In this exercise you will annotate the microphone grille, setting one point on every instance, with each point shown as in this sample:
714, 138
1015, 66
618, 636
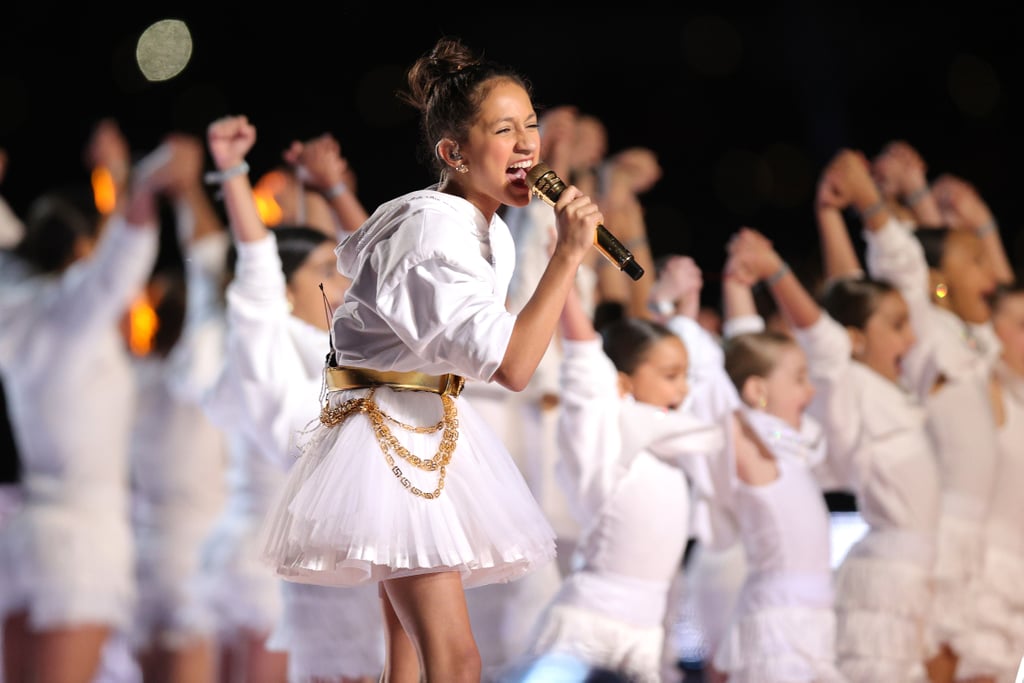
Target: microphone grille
545, 183
534, 174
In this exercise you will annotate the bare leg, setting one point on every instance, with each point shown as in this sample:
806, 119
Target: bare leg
263, 665
17, 648
401, 661
432, 611
942, 667
193, 662
69, 655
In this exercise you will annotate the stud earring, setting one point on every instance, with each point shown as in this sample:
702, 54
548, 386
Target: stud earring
762, 403
462, 168
941, 290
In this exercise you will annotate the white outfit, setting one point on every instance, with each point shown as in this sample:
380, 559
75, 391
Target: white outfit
268, 393
623, 470
959, 418
783, 625
429, 281
878, 443
178, 459
994, 641
68, 550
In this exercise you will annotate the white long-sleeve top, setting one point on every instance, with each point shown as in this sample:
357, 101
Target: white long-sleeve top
623, 468
66, 367
876, 434
271, 383
429, 283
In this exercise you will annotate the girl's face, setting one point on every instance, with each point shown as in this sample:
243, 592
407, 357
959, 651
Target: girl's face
304, 288
1008, 322
660, 378
788, 388
502, 145
886, 338
969, 277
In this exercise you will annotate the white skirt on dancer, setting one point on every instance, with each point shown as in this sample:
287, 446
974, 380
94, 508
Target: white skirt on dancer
344, 518
883, 608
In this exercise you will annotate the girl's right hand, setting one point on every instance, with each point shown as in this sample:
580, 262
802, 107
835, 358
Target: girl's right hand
751, 251
578, 217
230, 138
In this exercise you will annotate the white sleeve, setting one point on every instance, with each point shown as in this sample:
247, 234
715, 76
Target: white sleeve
266, 389
589, 441
835, 404
743, 324
443, 310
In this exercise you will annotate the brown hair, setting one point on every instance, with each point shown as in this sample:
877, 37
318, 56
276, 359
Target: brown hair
447, 85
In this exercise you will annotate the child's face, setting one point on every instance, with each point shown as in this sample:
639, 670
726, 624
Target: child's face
888, 336
969, 277
1008, 322
660, 378
502, 145
788, 388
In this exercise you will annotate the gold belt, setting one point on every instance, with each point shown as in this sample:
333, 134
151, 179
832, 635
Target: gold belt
345, 377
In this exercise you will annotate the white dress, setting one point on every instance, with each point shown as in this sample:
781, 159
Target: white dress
178, 459
783, 625
623, 468
878, 444
67, 551
959, 419
266, 396
994, 641
429, 278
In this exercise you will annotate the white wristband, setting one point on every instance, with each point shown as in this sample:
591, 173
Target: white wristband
218, 177
336, 190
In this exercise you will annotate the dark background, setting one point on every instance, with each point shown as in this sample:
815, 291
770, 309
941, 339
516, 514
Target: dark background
743, 106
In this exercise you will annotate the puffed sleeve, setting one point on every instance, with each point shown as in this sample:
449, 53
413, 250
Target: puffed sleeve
443, 302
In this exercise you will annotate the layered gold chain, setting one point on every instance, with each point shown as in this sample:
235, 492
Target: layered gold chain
389, 444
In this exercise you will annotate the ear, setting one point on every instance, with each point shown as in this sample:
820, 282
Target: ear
448, 152
858, 342
754, 392
625, 384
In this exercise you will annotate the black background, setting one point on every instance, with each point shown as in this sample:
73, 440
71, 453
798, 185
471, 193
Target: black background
743, 105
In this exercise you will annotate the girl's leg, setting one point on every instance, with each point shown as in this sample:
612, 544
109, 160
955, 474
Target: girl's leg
401, 661
432, 611
193, 662
942, 667
69, 655
263, 665
17, 648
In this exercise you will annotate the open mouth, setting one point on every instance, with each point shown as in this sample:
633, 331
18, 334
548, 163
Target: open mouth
516, 173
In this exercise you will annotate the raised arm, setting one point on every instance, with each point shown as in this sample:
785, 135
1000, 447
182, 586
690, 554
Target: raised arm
901, 175
753, 253
229, 140
963, 208
838, 255
320, 163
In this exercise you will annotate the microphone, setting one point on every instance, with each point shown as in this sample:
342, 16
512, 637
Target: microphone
546, 184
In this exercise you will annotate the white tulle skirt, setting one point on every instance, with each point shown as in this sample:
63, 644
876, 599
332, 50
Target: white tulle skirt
883, 608
784, 631
344, 518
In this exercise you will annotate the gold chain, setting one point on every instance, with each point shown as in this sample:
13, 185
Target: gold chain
449, 422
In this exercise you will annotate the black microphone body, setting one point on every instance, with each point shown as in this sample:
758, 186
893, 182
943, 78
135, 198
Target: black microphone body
546, 184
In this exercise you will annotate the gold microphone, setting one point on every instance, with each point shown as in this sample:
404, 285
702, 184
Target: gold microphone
546, 184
